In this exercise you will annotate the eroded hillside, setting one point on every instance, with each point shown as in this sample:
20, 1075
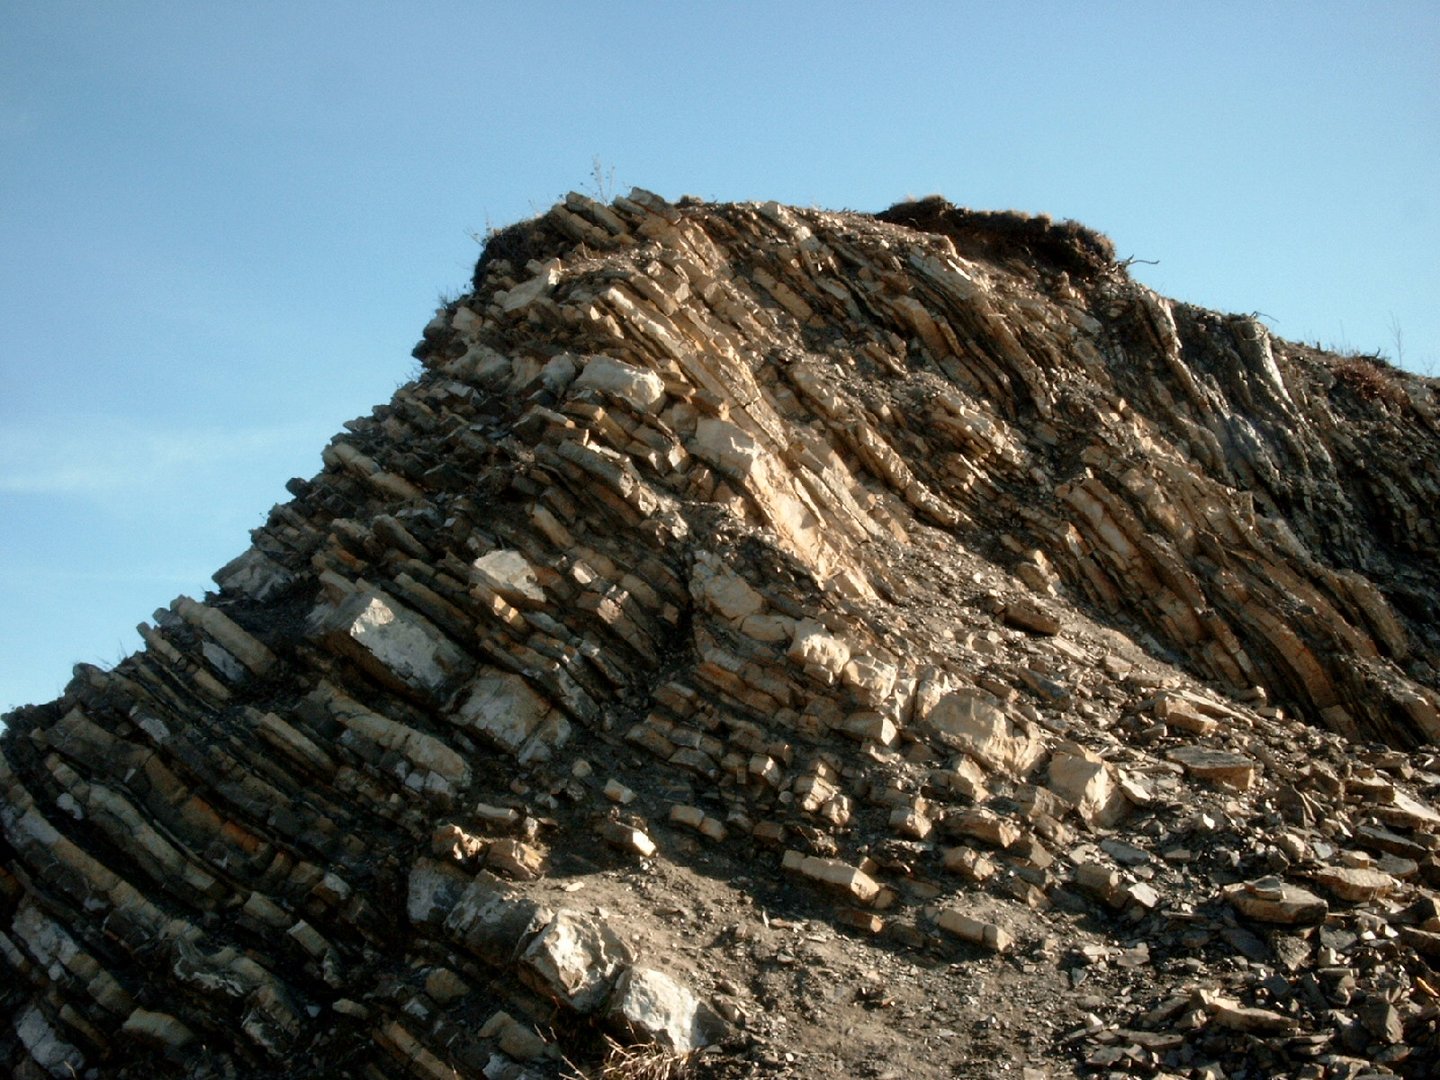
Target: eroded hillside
819, 644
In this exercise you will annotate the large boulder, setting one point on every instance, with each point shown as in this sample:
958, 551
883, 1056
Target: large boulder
971, 721
653, 1007
575, 960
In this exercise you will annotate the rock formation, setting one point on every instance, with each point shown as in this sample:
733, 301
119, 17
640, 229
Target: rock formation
776, 642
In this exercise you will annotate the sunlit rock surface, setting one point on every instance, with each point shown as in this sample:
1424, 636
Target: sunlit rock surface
813, 643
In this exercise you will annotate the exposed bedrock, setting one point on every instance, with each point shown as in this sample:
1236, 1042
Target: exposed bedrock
921, 572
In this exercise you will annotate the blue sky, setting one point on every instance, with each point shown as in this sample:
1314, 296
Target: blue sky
223, 226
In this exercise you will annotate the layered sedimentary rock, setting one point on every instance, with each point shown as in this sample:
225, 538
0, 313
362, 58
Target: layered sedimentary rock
906, 602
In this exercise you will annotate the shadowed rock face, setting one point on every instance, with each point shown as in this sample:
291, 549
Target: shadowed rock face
918, 580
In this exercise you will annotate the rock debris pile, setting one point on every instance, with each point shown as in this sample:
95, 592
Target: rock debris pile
776, 642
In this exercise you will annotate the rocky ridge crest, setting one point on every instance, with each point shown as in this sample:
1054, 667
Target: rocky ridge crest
792, 641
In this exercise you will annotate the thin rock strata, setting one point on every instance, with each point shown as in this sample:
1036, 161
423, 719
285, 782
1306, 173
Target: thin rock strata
795, 642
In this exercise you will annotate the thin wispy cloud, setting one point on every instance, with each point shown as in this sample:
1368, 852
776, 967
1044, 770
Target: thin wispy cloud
15, 119
12, 577
83, 456
18, 114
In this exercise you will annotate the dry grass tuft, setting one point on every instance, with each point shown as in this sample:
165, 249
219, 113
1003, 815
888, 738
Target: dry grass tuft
644, 1062
1370, 379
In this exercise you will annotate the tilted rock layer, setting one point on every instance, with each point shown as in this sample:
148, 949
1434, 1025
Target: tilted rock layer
805, 642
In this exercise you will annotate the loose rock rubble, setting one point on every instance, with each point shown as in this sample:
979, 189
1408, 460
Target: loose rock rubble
775, 642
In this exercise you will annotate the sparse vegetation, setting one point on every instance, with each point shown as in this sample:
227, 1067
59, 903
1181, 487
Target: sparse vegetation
1397, 335
644, 1062
602, 181
517, 244
1370, 377
1065, 245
